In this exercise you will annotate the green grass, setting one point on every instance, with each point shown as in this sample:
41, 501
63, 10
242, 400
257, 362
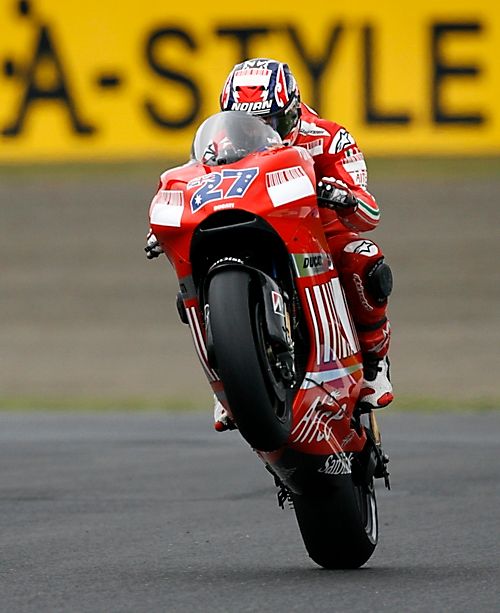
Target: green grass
403, 403
429, 404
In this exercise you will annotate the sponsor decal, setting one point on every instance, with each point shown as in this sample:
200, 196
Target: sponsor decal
356, 169
167, 207
341, 140
219, 185
225, 205
311, 129
251, 75
352, 152
361, 292
315, 147
252, 107
310, 264
313, 261
353, 155
278, 306
337, 464
316, 424
288, 185
362, 247
313, 379
227, 258
334, 334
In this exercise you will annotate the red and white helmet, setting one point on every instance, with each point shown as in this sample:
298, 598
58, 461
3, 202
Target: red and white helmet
265, 88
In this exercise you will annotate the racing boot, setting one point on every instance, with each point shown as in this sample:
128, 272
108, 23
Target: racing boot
376, 389
222, 421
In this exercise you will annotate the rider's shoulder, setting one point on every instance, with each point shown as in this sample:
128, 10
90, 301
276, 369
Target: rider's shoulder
312, 125
335, 138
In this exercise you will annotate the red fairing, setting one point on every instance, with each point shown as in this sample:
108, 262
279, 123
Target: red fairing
269, 175
278, 185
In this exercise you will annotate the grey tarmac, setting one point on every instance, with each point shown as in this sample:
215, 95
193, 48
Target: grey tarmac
156, 512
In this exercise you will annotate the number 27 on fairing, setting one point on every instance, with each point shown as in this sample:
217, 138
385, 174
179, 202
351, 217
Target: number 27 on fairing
227, 183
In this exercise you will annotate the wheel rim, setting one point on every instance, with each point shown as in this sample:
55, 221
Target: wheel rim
274, 384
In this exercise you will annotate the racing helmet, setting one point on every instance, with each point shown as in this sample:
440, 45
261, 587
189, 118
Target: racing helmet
265, 88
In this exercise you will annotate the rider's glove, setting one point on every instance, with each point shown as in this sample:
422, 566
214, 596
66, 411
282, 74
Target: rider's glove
334, 194
153, 248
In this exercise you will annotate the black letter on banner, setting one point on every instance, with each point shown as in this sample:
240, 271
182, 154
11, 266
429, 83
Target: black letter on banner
316, 67
45, 53
154, 41
442, 70
372, 114
243, 36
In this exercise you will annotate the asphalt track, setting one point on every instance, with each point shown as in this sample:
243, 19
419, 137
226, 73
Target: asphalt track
157, 512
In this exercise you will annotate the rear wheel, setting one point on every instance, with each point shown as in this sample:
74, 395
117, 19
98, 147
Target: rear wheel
340, 525
259, 400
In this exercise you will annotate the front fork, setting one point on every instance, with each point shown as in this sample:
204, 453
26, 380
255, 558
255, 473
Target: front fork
276, 318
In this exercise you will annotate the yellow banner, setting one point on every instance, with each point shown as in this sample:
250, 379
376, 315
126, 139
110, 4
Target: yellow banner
100, 79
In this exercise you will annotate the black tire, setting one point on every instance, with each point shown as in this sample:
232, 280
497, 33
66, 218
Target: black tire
339, 528
259, 401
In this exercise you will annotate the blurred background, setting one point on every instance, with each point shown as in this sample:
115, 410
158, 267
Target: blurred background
95, 102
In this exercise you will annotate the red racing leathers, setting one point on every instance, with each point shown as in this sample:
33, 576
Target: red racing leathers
336, 155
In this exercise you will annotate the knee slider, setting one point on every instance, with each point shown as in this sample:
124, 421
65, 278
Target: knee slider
379, 280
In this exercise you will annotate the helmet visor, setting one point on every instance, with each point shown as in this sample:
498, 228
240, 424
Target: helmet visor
284, 121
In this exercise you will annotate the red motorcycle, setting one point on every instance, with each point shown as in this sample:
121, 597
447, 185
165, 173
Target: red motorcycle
240, 224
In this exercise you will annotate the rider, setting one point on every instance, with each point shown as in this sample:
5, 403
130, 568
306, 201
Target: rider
266, 88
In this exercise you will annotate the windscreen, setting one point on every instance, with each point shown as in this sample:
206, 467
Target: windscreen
229, 136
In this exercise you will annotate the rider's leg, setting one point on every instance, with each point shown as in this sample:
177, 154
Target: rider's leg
367, 282
222, 420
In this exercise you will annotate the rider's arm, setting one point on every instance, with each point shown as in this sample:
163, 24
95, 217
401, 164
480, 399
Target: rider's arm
347, 163
153, 248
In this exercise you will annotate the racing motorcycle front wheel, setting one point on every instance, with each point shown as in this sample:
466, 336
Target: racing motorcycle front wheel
260, 400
